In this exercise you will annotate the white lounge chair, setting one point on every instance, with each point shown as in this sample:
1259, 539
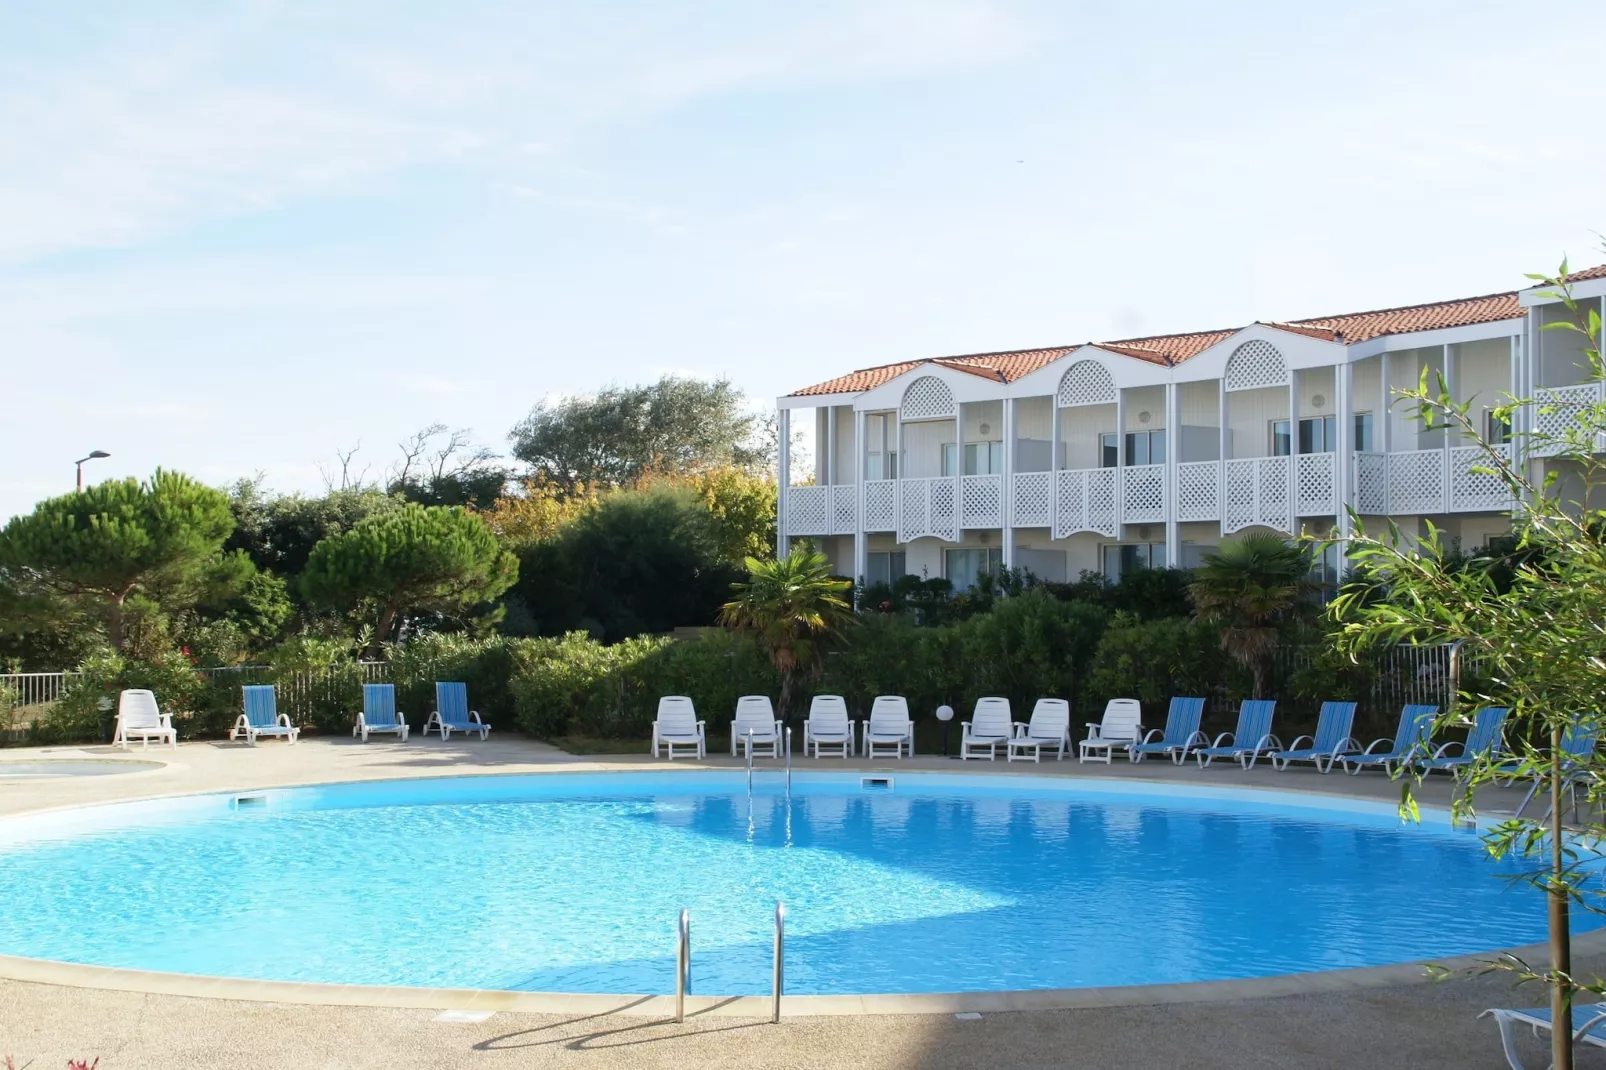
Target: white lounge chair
991, 725
139, 718
1589, 1026
677, 726
755, 721
828, 726
888, 726
262, 716
451, 713
378, 713
1121, 729
1050, 726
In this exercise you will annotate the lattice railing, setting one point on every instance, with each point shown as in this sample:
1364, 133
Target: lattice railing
1197, 485
1556, 411
808, 511
1258, 493
1085, 501
981, 502
844, 509
928, 507
1316, 485
881, 505
1416, 482
1143, 494
1371, 483
1472, 490
1033, 500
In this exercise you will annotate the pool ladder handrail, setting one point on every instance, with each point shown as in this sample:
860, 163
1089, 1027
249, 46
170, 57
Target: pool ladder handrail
747, 746
683, 965
779, 975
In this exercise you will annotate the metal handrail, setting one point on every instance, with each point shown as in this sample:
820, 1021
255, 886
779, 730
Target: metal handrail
748, 741
789, 759
683, 965
1455, 674
780, 958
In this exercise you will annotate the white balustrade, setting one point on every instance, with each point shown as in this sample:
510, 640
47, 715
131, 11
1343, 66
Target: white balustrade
1033, 500
1257, 494
1316, 485
1474, 484
881, 505
1198, 484
844, 509
1143, 494
928, 507
1556, 413
981, 502
1371, 480
808, 511
1086, 501
1416, 482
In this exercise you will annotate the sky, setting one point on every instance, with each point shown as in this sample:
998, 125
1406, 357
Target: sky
237, 238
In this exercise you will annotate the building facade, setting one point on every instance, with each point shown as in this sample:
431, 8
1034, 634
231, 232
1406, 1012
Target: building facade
1149, 451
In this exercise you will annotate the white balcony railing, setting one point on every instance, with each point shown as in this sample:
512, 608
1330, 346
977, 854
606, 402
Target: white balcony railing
1415, 482
928, 507
844, 509
808, 510
881, 505
1198, 486
1032, 503
981, 502
1316, 484
1556, 412
1257, 494
1143, 494
1085, 500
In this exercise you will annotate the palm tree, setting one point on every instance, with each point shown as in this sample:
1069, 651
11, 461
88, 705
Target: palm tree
790, 605
1247, 588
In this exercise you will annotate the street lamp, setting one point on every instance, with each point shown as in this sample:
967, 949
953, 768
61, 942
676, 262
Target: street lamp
94, 455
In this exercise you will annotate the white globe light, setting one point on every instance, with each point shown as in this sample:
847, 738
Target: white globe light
945, 713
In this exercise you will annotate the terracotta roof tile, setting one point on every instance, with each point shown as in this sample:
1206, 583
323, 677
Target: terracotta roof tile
1173, 349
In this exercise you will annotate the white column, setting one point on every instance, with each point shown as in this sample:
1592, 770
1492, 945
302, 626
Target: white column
1007, 492
783, 431
1344, 406
1448, 361
1293, 451
861, 540
1385, 418
1054, 466
1221, 465
1173, 441
829, 453
1120, 464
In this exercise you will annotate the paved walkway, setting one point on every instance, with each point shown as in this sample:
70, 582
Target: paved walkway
1409, 1025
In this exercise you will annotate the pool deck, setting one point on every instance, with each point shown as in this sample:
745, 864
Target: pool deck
1363, 1018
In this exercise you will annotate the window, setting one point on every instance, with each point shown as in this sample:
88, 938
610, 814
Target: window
1145, 447
1323, 573
965, 566
881, 446
981, 458
1119, 560
883, 567
1363, 431
1496, 428
1317, 434
1109, 450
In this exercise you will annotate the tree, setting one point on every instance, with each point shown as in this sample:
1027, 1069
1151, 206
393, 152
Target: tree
617, 435
414, 560
740, 503
1249, 588
96, 549
447, 471
637, 560
278, 531
1531, 623
791, 606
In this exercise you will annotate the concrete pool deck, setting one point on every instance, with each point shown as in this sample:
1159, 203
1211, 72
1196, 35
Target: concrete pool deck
1384, 1017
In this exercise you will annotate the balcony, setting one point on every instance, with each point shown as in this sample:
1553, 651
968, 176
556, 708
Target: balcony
1556, 413
1418, 482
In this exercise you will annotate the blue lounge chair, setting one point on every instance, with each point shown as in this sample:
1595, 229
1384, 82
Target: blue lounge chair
1249, 741
1181, 733
379, 713
1409, 743
1332, 739
1589, 1026
1483, 742
262, 716
1577, 748
451, 713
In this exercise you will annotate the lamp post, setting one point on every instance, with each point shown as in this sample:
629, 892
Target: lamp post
945, 714
94, 455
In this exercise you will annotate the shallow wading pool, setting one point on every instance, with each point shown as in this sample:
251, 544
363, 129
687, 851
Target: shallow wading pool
573, 882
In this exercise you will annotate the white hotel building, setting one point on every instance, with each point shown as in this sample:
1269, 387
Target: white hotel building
1149, 451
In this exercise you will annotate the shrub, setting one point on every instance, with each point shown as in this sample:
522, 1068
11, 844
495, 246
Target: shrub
180, 690
1153, 661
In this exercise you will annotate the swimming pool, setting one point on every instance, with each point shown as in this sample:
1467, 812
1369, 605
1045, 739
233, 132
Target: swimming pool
573, 882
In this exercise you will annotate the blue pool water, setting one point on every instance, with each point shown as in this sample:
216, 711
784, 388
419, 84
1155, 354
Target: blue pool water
574, 882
